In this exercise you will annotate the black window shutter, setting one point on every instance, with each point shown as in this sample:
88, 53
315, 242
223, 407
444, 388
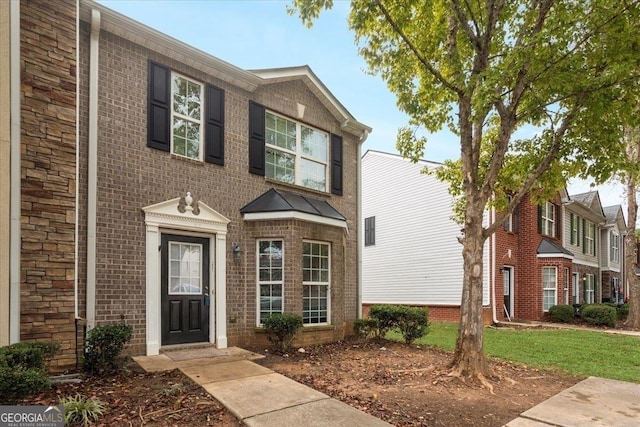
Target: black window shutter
159, 108
256, 138
571, 225
336, 165
539, 219
556, 218
584, 234
214, 131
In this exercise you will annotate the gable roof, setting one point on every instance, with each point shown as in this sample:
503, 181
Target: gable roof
140, 34
614, 216
587, 204
280, 204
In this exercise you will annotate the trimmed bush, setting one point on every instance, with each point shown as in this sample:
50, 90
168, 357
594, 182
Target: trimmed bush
561, 313
282, 329
386, 316
599, 315
622, 311
413, 322
366, 327
103, 346
23, 369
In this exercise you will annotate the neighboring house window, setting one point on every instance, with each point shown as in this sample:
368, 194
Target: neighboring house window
614, 253
270, 278
508, 223
315, 282
547, 219
185, 117
370, 231
575, 229
590, 239
549, 286
614, 290
589, 290
296, 153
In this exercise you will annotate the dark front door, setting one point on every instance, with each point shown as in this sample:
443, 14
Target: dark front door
185, 289
507, 277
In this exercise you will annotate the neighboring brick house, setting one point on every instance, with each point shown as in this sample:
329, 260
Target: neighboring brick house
207, 196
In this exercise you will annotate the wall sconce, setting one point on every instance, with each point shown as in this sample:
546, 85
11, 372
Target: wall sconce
236, 251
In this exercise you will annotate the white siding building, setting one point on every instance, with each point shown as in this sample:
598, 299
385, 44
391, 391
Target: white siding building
411, 254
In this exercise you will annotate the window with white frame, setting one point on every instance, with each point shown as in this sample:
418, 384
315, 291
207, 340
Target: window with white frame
590, 288
547, 219
575, 229
508, 222
296, 153
549, 287
270, 278
186, 117
316, 276
614, 250
590, 239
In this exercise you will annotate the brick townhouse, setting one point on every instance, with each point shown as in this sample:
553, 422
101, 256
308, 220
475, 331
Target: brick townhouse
163, 187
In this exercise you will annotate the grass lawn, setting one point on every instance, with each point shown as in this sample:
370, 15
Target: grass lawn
580, 352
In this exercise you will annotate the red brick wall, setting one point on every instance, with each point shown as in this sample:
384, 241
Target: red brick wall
439, 313
48, 139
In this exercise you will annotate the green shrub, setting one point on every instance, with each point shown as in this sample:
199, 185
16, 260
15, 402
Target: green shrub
23, 369
561, 313
599, 315
103, 346
80, 410
413, 322
366, 327
622, 311
282, 329
386, 316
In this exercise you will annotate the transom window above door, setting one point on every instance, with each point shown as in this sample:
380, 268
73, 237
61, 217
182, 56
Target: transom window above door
186, 117
296, 153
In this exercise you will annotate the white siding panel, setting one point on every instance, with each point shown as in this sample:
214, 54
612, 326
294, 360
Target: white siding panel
416, 258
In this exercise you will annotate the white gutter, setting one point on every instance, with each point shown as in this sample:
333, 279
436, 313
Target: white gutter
77, 215
14, 161
92, 170
493, 270
359, 227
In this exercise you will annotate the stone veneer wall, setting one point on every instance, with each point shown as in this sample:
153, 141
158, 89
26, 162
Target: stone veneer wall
48, 173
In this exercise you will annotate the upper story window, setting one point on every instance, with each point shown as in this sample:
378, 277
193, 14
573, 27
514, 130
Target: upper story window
509, 222
370, 231
590, 238
295, 153
186, 117
547, 219
614, 250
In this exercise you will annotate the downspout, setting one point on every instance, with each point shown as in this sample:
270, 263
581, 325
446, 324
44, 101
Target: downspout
77, 214
363, 138
92, 170
14, 161
493, 270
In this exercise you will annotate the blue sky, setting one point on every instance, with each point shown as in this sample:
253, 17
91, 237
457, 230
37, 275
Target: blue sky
255, 34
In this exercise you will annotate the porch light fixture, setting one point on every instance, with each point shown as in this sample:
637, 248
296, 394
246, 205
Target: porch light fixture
236, 251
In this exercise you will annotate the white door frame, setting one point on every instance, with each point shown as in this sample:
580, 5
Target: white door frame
167, 217
508, 272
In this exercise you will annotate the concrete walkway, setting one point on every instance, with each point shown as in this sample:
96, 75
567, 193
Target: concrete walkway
255, 394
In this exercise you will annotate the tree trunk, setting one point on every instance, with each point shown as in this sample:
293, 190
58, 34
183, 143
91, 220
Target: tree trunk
469, 359
633, 319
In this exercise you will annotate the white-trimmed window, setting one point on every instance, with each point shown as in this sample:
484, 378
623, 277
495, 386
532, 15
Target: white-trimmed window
316, 276
185, 268
296, 153
547, 219
575, 229
614, 249
270, 278
549, 287
590, 239
590, 289
186, 117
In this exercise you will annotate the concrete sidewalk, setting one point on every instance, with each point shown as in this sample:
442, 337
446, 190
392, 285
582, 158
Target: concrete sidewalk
255, 394
592, 402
